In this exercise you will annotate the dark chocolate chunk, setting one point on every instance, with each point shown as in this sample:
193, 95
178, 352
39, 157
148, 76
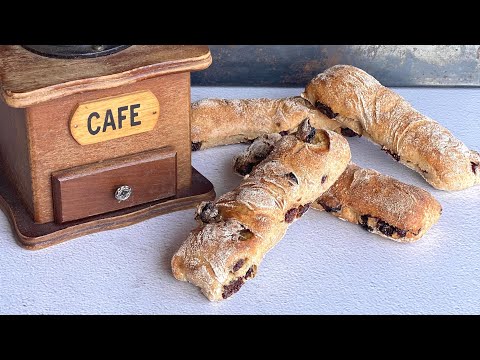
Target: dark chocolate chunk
238, 265
283, 133
302, 210
245, 234
324, 178
401, 233
259, 157
232, 288
474, 167
196, 146
291, 176
296, 213
349, 132
326, 110
311, 135
244, 169
306, 132
250, 272
328, 208
392, 154
385, 228
208, 213
364, 223
291, 215
395, 156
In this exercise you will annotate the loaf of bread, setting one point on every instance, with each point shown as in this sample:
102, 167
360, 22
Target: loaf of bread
381, 204
238, 229
359, 102
378, 203
217, 122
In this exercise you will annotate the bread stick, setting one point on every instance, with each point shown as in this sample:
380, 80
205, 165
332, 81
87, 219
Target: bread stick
238, 229
217, 122
358, 101
378, 203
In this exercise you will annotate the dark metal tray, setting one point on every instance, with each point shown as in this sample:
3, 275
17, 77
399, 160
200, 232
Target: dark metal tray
295, 65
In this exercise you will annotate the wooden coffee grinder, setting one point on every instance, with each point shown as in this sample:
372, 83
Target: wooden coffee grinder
95, 137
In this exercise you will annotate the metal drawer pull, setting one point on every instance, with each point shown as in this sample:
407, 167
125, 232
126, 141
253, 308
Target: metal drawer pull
123, 193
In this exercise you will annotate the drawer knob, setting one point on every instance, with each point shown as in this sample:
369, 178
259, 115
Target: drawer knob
123, 193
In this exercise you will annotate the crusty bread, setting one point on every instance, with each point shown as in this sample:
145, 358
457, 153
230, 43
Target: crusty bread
379, 203
358, 101
238, 229
217, 122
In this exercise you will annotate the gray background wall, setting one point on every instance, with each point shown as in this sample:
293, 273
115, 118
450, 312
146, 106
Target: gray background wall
295, 65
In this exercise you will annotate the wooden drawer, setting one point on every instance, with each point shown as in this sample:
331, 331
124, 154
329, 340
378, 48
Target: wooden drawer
95, 189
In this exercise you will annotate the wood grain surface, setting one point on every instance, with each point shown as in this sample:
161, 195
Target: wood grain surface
28, 78
14, 152
53, 148
35, 236
114, 117
89, 190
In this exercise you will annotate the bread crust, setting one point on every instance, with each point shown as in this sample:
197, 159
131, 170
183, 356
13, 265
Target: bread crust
379, 203
216, 122
358, 101
239, 228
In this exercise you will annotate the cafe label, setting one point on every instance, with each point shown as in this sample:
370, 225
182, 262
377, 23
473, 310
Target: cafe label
114, 117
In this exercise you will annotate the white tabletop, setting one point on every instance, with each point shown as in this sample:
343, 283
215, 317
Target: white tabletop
322, 265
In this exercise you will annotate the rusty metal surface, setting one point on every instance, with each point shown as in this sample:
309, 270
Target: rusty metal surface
295, 65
